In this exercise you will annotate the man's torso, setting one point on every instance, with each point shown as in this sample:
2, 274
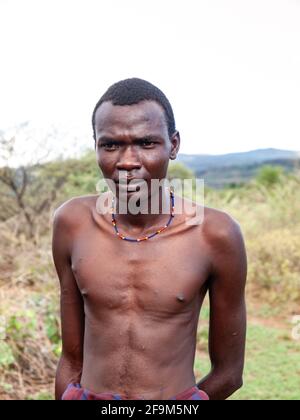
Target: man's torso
141, 303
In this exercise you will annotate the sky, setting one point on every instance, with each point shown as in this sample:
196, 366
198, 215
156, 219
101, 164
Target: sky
230, 68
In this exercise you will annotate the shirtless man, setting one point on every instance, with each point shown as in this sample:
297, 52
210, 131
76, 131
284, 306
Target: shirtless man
130, 309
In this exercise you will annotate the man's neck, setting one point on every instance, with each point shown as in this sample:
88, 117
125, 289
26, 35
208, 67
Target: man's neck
146, 218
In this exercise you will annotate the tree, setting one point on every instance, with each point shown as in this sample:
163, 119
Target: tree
29, 189
269, 175
178, 170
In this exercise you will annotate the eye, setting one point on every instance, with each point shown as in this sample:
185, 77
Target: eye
147, 143
109, 146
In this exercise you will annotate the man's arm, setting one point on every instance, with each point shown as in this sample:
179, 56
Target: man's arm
72, 312
227, 330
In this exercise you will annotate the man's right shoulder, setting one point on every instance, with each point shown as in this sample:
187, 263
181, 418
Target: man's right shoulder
72, 212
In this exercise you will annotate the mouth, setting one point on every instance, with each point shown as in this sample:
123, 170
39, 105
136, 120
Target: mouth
131, 185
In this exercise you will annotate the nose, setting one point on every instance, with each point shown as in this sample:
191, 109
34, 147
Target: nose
128, 160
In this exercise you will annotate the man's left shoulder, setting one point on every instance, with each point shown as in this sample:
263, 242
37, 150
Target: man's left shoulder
221, 230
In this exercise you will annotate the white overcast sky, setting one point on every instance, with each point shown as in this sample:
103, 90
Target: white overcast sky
231, 68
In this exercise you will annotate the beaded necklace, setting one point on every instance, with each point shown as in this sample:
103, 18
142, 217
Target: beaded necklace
144, 238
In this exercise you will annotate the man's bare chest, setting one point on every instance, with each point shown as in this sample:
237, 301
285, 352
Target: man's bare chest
159, 275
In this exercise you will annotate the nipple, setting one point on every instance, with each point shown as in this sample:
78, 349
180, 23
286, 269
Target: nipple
180, 298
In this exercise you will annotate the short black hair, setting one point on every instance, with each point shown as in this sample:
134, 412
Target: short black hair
133, 91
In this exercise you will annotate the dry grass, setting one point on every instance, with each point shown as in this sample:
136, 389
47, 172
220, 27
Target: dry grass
29, 321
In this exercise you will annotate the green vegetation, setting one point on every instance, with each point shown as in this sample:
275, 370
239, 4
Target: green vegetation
178, 171
268, 211
269, 175
235, 169
272, 368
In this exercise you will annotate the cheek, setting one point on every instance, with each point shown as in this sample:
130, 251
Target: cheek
157, 163
106, 163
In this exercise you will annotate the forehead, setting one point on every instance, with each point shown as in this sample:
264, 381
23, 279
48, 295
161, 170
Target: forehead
144, 117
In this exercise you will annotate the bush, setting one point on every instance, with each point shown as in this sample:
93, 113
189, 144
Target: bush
275, 266
269, 175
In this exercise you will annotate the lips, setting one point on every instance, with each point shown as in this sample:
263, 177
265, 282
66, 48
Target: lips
131, 184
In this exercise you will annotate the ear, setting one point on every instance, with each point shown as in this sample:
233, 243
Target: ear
175, 144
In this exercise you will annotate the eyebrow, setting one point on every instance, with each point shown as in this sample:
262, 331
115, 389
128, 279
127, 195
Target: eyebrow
105, 139
151, 137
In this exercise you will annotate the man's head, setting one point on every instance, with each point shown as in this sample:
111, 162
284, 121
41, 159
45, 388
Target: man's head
133, 91
134, 131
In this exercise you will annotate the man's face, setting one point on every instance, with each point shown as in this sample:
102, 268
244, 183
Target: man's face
134, 139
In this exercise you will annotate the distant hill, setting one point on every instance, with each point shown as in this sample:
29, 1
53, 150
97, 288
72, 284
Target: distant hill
234, 168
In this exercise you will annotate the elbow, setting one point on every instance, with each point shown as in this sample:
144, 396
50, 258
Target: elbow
72, 364
68, 371
234, 382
